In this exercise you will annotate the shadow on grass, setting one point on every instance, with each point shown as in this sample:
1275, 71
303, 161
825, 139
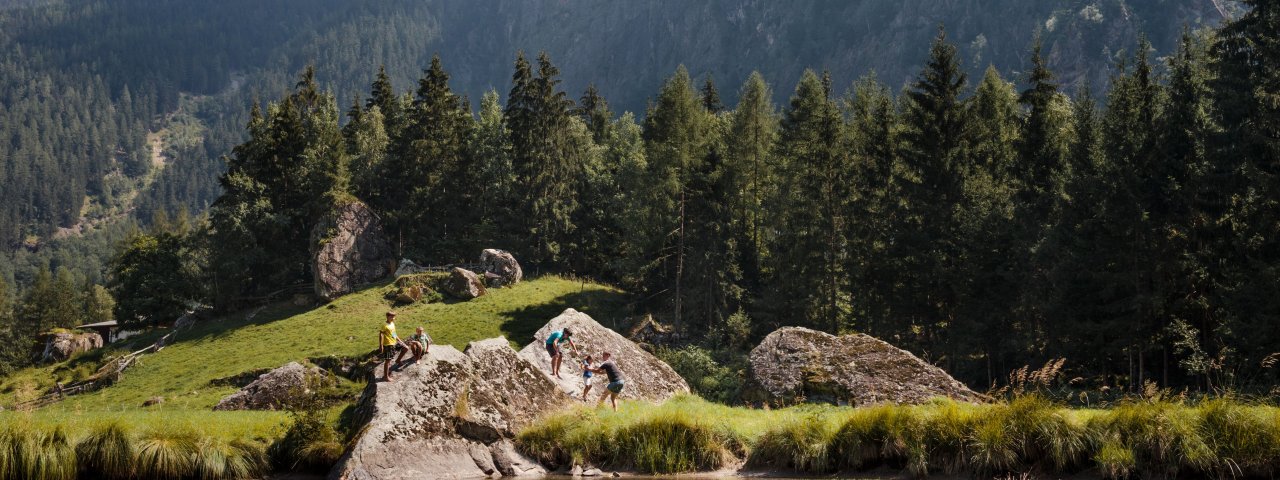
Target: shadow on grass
609, 307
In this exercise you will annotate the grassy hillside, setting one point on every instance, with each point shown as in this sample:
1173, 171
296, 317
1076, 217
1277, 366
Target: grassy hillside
275, 335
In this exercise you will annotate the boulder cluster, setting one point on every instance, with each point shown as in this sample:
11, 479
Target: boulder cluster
454, 415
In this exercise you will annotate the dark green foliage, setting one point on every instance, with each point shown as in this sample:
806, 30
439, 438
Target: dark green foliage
156, 277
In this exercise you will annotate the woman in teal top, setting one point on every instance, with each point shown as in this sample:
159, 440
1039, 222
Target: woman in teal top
553, 348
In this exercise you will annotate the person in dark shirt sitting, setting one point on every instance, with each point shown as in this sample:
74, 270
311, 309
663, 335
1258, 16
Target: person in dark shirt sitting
616, 382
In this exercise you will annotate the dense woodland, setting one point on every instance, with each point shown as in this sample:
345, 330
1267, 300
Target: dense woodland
984, 223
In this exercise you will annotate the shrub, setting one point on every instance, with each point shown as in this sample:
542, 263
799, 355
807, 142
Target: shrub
1163, 438
710, 379
309, 444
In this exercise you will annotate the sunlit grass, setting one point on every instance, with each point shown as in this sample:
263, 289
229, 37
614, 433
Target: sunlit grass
1149, 438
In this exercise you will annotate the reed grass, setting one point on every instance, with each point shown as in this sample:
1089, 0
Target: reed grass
1028, 434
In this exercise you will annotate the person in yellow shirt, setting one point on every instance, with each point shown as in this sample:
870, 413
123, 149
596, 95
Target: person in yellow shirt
389, 345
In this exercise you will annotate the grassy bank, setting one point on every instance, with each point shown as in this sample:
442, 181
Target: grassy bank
1218, 438
40, 447
246, 341
184, 375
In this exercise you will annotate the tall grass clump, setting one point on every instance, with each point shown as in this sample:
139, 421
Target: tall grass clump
895, 436
107, 452
673, 442
1244, 438
34, 454
310, 443
167, 454
1162, 437
1028, 433
802, 444
219, 459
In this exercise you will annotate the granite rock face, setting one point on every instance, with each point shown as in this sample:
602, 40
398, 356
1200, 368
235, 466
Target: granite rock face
646, 376
349, 249
452, 415
795, 364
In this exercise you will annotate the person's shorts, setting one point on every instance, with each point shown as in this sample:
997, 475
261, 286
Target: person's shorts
616, 387
389, 352
551, 349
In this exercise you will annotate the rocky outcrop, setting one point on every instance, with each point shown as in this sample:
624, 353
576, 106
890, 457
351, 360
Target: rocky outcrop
452, 415
500, 268
61, 346
463, 284
797, 364
273, 390
647, 377
349, 249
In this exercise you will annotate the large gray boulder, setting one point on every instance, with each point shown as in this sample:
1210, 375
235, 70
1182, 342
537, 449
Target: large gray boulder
274, 390
452, 415
349, 249
463, 284
795, 364
500, 268
647, 377
61, 346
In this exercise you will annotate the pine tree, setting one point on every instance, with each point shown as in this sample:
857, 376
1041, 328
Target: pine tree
675, 135
749, 141
1198, 206
1043, 158
933, 167
593, 109
1247, 89
491, 149
546, 169
430, 173
808, 246
711, 97
874, 136
383, 96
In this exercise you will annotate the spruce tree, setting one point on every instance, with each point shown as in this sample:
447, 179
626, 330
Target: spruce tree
711, 97
749, 141
593, 109
933, 168
808, 245
675, 135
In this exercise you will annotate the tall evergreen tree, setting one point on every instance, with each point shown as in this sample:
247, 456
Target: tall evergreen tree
749, 142
934, 164
593, 109
546, 168
676, 138
809, 245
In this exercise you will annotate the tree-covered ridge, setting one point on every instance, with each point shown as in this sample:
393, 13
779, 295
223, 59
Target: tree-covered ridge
982, 224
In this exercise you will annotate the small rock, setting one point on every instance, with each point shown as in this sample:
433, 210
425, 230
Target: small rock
592, 472
576, 471
616, 475
463, 284
153, 401
272, 390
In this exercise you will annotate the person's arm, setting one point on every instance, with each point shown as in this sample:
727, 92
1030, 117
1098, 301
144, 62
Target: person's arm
575, 347
379, 349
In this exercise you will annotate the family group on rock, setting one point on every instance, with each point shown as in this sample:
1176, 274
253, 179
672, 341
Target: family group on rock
392, 348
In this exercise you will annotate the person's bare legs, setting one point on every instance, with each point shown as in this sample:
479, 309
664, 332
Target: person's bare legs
386, 369
400, 358
613, 400
585, 388
555, 363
